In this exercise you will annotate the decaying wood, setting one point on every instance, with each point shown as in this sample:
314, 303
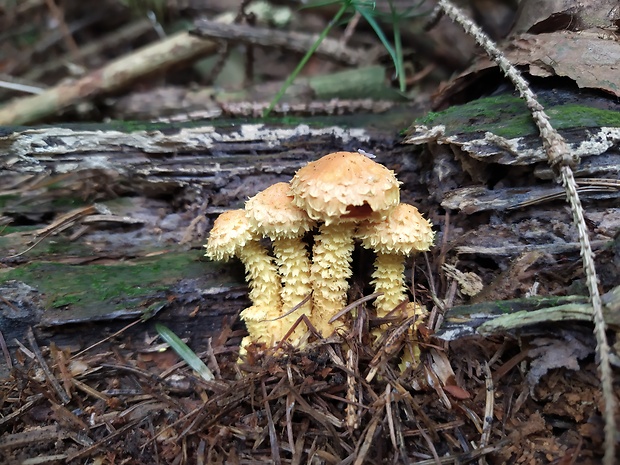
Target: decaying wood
216, 168
204, 156
212, 168
527, 314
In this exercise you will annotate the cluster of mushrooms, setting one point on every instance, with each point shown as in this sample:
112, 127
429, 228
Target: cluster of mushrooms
348, 196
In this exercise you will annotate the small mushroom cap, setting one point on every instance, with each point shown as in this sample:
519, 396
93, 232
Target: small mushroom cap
273, 214
403, 232
230, 233
345, 186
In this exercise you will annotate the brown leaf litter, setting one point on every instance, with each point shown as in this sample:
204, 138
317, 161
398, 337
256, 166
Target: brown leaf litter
340, 400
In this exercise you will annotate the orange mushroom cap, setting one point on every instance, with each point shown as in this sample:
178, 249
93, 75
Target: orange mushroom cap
404, 231
230, 233
345, 187
273, 213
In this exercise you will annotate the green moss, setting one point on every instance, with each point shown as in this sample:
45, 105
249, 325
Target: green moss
5, 199
504, 307
573, 116
509, 117
88, 286
8, 229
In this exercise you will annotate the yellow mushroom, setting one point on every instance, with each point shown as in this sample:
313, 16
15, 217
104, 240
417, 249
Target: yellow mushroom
403, 232
272, 213
340, 190
232, 236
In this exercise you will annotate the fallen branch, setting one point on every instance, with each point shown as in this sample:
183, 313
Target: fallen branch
156, 57
284, 40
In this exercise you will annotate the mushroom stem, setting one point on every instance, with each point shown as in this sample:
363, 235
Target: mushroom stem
263, 278
265, 287
330, 270
259, 329
272, 213
389, 279
294, 266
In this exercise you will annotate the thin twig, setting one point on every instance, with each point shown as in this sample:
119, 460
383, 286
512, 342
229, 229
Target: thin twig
351, 306
18, 412
353, 421
489, 405
429, 443
60, 18
290, 406
287, 40
5, 351
273, 436
367, 439
64, 398
157, 57
390, 416
351, 27
120, 331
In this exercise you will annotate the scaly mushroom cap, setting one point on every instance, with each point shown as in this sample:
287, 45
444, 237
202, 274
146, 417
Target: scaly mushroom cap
230, 233
345, 187
404, 231
273, 213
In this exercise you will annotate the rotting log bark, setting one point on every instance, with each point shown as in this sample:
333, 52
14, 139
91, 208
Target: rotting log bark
154, 190
80, 272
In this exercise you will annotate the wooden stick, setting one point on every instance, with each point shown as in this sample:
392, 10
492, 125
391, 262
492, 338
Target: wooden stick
286, 40
156, 57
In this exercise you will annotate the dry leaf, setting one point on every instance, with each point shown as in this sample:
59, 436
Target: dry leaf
590, 58
555, 15
564, 352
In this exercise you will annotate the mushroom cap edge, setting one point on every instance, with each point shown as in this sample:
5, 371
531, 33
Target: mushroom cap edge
272, 213
404, 231
230, 233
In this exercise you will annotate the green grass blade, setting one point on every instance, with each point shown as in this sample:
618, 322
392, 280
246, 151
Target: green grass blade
306, 57
398, 49
396, 53
370, 19
185, 352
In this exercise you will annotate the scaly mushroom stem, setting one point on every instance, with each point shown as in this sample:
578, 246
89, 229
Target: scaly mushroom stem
231, 236
331, 267
411, 351
263, 278
265, 287
340, 190
389, 278
294, 265
259, 330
